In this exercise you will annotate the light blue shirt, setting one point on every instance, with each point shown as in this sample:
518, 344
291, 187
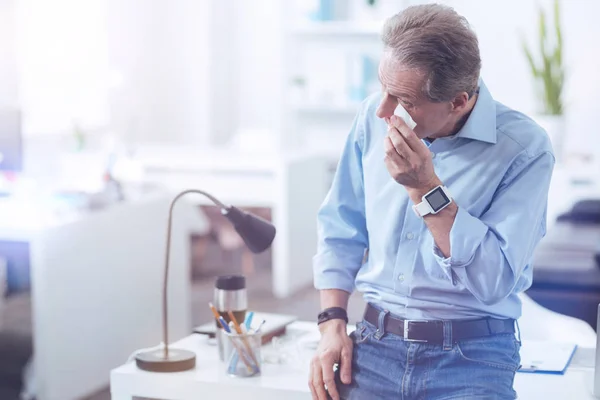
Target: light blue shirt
497, 168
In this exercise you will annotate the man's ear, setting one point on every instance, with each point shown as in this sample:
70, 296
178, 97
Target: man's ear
460, 101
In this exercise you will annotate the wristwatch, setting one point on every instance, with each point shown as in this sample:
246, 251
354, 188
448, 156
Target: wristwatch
332, 313
433, 201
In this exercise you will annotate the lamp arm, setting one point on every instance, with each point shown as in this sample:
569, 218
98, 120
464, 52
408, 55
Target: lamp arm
167, 257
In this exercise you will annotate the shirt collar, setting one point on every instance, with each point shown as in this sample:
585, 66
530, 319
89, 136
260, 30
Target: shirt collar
481, 124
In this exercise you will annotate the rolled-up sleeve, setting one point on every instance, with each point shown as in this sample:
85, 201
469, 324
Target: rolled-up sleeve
489, 254
342, 232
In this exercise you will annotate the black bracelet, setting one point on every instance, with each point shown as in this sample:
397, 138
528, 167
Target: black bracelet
332, 313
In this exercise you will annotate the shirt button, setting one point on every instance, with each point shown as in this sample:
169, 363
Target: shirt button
401, 277
410, 236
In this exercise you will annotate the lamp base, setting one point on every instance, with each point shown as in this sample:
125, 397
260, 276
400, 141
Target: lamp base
177, 361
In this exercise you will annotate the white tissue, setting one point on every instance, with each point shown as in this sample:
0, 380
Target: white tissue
402, 113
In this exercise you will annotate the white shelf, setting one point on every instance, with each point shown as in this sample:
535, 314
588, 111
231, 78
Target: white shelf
339, 28
343, 109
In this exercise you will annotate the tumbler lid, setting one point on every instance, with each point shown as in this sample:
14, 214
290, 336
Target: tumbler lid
231, 282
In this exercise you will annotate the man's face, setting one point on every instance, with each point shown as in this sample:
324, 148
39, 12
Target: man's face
401, 86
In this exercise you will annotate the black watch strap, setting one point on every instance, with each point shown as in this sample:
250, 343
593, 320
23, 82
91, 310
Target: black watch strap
332, 313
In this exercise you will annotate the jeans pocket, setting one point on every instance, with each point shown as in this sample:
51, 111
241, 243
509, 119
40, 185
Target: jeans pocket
498, 351
363, 332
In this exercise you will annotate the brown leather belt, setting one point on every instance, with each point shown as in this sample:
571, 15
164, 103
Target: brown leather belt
432, 331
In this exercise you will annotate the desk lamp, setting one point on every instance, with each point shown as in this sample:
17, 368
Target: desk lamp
257, 233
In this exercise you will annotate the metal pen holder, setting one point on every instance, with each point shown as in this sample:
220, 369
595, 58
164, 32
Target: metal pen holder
242, 353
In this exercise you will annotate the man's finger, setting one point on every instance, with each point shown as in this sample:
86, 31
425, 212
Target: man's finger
411, 137
317, 382
388, 147
393, 160
399, 143
346, 365
311, 384
329, 379
390, 150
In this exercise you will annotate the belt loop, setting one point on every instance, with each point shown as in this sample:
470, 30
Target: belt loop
381, 324
448, 341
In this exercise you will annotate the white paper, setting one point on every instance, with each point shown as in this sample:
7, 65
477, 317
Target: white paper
402, 113
545, 356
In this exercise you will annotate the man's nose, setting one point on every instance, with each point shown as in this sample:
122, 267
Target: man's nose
386, 109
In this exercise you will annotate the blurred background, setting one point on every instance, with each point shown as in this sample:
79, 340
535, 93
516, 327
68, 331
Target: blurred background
108, 108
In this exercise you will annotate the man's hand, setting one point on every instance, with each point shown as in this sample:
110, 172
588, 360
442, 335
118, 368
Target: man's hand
407, 158
334, 347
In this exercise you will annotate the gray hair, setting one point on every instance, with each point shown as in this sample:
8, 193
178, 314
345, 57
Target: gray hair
438, 42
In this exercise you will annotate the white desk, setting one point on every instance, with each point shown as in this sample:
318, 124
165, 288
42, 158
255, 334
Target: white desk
289, 380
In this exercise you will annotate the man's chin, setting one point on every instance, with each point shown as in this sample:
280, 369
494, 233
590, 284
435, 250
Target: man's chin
421, 133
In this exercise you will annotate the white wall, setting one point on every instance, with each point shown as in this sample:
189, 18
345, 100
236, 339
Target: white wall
62, 57
8, 56
224, 65
259, 28
159, 55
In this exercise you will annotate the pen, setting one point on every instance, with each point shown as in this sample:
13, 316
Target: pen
261, 325
239, 331
235, 357
226, 328
234, 327
224, 324
248, 320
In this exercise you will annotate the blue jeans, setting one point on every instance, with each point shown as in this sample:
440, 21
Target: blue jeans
387, 367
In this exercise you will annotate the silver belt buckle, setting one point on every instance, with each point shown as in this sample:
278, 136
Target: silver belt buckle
405, 335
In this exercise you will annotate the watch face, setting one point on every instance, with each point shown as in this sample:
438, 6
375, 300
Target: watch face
437, 199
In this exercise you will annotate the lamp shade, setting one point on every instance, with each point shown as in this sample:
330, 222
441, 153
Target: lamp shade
257, 233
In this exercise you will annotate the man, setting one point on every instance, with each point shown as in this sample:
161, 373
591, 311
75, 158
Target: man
436, 226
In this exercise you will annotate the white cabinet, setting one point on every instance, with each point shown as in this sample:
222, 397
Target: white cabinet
96, 283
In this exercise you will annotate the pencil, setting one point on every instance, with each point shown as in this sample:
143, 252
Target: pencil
214, 310
218, 317
239, 331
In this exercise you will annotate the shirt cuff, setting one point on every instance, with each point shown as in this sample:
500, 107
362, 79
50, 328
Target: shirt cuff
466, 235
332, 272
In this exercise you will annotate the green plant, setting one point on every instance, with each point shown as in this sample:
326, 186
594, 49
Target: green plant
79, 136
549, 74
298, 81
